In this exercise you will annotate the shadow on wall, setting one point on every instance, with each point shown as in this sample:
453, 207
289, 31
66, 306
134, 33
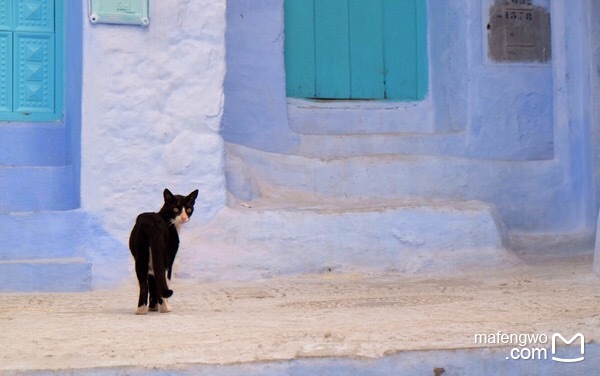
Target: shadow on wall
110, 258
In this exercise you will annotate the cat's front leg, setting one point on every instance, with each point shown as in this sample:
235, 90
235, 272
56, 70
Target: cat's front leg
142, 307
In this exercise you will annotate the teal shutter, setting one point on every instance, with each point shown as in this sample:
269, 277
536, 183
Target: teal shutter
34, 73
34, 15
6, 68
6, 59
356, 49
31, 49
6, 15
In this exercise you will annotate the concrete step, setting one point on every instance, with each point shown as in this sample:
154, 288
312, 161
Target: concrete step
297, 233
45, 275
44, 251
60, 232
352, 145
325, 117
504, 184
37, 188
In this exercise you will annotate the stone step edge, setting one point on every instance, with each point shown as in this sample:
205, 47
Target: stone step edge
71, 260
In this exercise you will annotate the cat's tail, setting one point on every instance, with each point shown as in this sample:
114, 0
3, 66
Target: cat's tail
160, 275
158, 249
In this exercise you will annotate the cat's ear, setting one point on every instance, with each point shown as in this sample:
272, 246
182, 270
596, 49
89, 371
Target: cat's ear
167, 195
192, 196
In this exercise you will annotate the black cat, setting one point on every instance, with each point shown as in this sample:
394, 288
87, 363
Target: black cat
153, 243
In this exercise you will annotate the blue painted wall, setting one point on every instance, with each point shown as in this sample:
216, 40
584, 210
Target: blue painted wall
142, 112
46, 154
73, 84
44, 236
505, 110
255, 79
523, 138
527, 125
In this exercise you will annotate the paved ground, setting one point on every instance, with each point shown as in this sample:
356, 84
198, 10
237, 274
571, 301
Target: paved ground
294, 317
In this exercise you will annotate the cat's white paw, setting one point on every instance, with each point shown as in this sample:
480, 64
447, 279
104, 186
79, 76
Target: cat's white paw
164, 307
141, 310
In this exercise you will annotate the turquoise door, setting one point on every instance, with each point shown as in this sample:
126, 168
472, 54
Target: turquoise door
356, 49
30, 59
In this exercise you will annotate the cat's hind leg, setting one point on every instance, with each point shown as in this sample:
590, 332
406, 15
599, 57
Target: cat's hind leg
153, 293
141, 271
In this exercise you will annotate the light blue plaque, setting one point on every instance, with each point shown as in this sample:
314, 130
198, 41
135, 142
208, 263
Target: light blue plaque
122, 12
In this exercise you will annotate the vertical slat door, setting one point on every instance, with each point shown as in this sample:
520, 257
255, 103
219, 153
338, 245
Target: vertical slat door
366, 49
401, 53
332, 49
300, 48
421, 64
356, 49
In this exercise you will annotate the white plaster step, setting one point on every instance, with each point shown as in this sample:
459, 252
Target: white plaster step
351, 145
251, 172
298, 233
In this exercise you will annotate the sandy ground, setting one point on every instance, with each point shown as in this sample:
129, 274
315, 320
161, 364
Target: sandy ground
292, 317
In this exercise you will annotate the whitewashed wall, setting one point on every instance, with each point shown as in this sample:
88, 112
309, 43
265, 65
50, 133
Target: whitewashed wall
152, 104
